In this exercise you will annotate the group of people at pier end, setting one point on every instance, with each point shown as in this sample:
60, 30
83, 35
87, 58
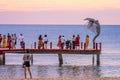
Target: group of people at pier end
73, 43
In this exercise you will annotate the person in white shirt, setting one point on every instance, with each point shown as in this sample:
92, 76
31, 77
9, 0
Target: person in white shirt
45, 40
62, 42
21, 40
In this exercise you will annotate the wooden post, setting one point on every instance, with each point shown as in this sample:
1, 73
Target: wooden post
43, 45
100, 45
31, 46
34, 45
4, 59
32, 59
98, 59
93, 45
81, 45
50, 45
1, 59
96, 46
70, 45
60, 59
93, 59
84, 46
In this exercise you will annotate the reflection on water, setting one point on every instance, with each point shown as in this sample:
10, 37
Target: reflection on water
74, 66
79, 71
51, 72
10, 71
1, 60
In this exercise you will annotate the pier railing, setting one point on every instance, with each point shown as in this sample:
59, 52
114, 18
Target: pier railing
96, 46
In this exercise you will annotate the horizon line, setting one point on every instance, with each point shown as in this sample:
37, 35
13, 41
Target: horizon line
47, 24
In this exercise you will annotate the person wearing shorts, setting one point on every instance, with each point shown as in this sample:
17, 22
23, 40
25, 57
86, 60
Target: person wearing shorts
45, 40
26, 64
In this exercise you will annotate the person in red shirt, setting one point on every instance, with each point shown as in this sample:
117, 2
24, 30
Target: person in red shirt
77, 41
8, 41
59, 42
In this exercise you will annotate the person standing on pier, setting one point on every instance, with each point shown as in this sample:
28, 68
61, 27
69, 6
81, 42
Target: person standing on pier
8, 41
12, 41
26, 64
0, 40
77, 42
40, 42
86, 41
62, 41
21, 39
73, 42
15, 37
4, 41
45, 39
59, 42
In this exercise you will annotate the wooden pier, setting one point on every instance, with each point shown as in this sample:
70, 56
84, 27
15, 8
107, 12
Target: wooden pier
95, 51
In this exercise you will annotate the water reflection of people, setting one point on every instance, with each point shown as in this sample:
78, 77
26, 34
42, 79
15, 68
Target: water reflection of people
26, 64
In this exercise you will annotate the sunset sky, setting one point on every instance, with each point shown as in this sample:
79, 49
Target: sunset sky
58, 11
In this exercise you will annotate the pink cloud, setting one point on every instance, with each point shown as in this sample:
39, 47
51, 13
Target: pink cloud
59, 17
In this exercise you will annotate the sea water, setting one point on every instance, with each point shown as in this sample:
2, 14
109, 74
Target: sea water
74, 65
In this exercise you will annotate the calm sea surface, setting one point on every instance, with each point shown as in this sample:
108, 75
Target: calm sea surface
74, 66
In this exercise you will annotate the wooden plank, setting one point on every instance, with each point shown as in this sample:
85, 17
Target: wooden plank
53, 51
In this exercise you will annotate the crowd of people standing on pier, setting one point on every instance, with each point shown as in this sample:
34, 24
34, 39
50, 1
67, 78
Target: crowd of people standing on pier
73, 43
10, 41
63, 43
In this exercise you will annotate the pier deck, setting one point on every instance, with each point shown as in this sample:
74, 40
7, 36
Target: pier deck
53, 51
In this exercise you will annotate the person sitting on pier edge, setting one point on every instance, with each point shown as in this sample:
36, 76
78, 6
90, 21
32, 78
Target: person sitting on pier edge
40, 42
86, 41
45, 39
26, 64
73, 42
